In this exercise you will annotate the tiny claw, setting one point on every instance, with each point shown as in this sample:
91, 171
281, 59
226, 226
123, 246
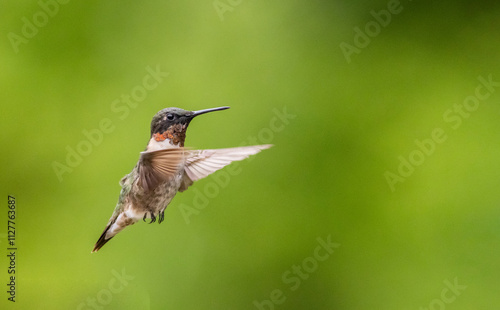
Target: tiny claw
153, 218
144, 218
161, 216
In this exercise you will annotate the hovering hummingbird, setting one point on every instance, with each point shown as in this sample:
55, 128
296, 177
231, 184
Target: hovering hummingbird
164, 169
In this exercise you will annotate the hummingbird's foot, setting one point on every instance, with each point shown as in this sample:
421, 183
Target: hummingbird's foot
161, 216
153, 218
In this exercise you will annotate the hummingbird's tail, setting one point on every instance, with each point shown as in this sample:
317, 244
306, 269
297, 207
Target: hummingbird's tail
115, 225
102, 239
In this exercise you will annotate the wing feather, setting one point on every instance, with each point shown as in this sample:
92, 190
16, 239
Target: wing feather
201, 163
159, 166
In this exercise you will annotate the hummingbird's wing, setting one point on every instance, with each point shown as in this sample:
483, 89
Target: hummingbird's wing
201, 163
156, 167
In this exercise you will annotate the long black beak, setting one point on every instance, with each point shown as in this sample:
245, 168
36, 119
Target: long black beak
196, 113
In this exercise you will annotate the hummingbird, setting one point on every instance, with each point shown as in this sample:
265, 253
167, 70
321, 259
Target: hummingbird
165, 168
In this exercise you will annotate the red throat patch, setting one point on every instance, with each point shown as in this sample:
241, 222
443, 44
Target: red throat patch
175, 133
162, 136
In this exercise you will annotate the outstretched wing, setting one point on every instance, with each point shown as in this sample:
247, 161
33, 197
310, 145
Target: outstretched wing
159, 166
201, 163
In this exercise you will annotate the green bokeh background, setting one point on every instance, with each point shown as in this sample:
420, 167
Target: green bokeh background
324, 176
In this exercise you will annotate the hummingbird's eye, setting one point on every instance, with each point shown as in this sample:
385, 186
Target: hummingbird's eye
170, 116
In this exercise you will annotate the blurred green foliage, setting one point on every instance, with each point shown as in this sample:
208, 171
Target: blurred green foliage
354, 121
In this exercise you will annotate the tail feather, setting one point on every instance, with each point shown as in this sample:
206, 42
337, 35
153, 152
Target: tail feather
116, 224
102, 239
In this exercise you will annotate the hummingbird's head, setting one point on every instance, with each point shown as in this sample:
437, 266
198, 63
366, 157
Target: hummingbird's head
172, 123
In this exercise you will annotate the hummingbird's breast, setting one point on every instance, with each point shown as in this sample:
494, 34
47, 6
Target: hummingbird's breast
157, 200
